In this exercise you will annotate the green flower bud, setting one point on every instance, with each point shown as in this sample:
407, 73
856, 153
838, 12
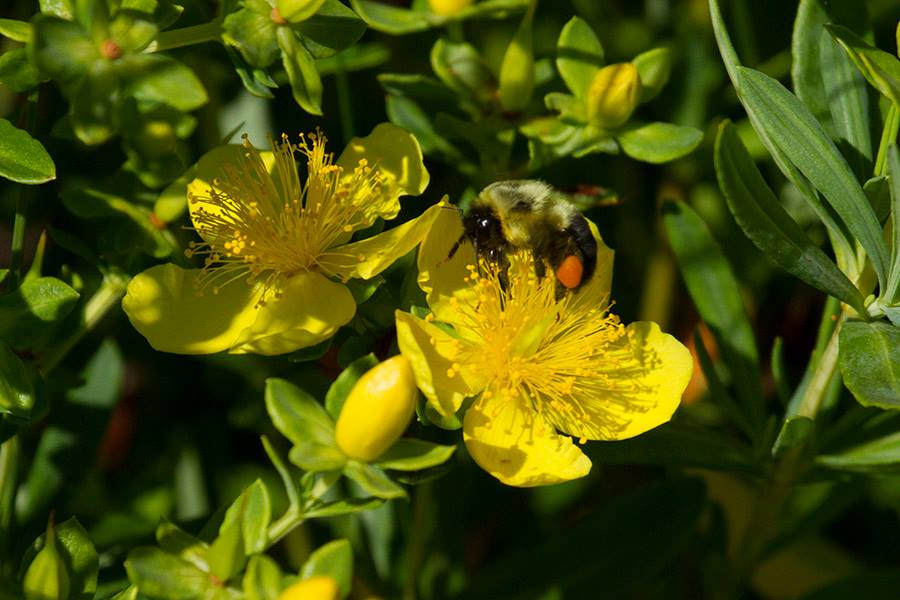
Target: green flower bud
47, 577
613, 95
377, 410
448, 8
295, 11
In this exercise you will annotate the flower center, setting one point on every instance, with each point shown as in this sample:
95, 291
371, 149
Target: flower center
264, 225
556, 353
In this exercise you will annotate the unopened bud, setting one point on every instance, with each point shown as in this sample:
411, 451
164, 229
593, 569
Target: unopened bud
47, 577
296, 11
320, 587
448, 8
377, 410
613, 95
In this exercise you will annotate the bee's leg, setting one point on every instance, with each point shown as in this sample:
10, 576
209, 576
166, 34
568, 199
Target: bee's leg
540, 267
455, 247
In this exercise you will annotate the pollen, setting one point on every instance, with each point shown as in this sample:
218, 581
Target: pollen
263, 225
567, 356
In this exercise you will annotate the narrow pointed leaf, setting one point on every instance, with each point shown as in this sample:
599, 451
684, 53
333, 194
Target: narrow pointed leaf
768, 224
793, 129
715, 292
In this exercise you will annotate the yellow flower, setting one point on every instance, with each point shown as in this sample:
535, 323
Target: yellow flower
535, 365
320, 587
276, 248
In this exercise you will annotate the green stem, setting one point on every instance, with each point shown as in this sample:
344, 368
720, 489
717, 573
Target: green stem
107, 295
825, 369
286, 523
187, 36
417, 539
9, 463
888, 137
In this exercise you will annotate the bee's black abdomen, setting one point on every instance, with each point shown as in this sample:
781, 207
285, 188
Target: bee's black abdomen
585, 243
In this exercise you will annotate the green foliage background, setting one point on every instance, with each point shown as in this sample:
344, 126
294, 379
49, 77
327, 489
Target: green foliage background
758, 488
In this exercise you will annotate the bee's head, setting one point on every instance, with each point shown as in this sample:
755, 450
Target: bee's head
483, 227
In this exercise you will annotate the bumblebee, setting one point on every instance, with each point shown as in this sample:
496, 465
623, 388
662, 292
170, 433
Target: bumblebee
528, 215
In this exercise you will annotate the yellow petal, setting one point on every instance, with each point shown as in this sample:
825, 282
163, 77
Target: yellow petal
215, 164
434, 354
396, 154
443, 279
640, 394
309, 310
369, 257
164, 305
512, 442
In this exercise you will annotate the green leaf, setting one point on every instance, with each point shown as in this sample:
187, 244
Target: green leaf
870, 362
226, 553
31, 310
848, 101
23, 158
390, 19
791, 127
461, 68
61, 49
80, 557
158, 574
658, 142
253, 511
175, 540
881, 69
880, 455
302, 420
414, 455
768, 224
654, 67
337, 393
158, 78
262, 579
517, 68
333, 28
715, 292
335, 560
571, 109
579, 55
17, 31
891, 291
843, 246
63, 9
373, 480
795, 431
342, 507
16, 390
47, 577
301, 70
253, 34
17, 71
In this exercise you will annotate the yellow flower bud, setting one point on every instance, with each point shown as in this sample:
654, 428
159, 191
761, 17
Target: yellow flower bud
613, 95
448, 8
377, 410
320, 587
